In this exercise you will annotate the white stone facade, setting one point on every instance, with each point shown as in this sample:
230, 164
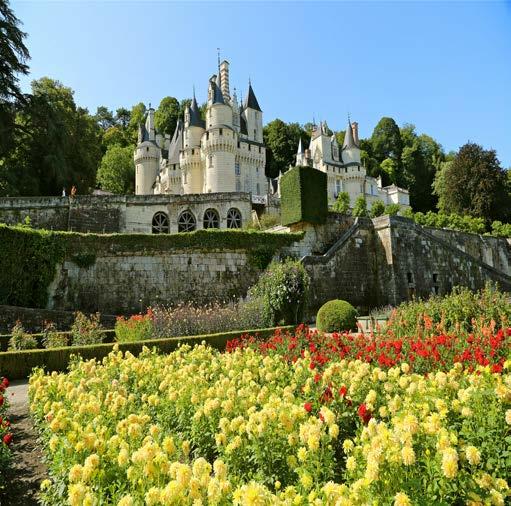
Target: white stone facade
223, 153
344, 168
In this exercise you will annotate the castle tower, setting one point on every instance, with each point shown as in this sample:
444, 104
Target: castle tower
350, 147
320, 146
253, 115
146, 156
219, 142
190, 159
335, 148
300, 154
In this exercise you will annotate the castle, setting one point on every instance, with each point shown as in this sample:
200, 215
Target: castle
344, 168
223, 153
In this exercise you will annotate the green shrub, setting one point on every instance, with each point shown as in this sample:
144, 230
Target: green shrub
135, 328
461, 311
269, 220
360, 207
303, 196
282, 292
20, 340
377, 209
336, 316
52, 338
86, 329
392, 209
342, 203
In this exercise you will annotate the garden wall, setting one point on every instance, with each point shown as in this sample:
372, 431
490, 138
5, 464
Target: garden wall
391, 259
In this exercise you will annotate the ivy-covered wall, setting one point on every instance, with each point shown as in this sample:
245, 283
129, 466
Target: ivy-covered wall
121, 273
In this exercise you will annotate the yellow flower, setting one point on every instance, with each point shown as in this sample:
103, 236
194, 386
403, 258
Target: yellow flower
351, 464
473, 455
401, 499
450, 462
306, 481
75, 473
127, 500
152, 496
45, 485
508, 416
408, 455
302, 454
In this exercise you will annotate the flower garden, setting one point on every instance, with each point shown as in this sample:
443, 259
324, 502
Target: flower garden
303, 417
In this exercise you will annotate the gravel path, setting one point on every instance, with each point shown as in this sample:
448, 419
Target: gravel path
27, 469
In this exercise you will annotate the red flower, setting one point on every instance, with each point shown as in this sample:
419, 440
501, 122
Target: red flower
342, 391
496, 368
5, 382
1, 399
308, 407
321, 417
7, 439
364, 413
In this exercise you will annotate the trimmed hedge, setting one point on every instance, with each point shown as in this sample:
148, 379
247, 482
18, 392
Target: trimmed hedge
19, 364
108, 337
29, 257
303, 196
336, 316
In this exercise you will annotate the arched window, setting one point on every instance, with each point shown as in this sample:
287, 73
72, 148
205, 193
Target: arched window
233, 218
186, 222
211, 219
160, 223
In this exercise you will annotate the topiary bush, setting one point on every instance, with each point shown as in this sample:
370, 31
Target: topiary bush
20, 340
282, 292
335, 316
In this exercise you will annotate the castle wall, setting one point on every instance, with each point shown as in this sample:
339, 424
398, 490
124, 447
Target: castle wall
118, 213
128, 282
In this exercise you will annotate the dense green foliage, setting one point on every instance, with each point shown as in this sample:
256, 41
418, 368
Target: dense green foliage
303, 196
282, 292
336, 316
451, 221
462, 310
116, 172
377, 209
360, 206
13, 57
29, 257
342, 203
475, 184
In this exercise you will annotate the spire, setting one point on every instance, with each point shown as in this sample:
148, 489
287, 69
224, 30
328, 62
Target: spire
218, 97
300, 147
176, 144
195, 117
349, 141
251, 100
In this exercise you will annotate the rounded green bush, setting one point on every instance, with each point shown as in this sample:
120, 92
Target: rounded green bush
336, 315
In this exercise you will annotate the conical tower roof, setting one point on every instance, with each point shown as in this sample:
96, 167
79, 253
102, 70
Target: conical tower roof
349, 142
195, 117
251, 100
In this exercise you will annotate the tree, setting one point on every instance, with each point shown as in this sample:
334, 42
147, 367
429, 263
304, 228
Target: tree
58, 144
388, 171
386, 143
282, 142
116, 136
474, 183
104, 117
138, 112
377, 209
13, 57
122, 117
342, 203
166, 116
116, 172
360, 207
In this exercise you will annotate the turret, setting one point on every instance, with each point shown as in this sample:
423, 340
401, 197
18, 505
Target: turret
350, 147
320, 146
194, 125
335, 148
218, 113
254, 116
146, 156
300, 154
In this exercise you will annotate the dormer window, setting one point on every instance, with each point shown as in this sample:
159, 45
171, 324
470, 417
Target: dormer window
210, 160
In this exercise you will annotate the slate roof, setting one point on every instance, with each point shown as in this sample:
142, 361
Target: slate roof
195, 117
349, 142
176, 144
251, 100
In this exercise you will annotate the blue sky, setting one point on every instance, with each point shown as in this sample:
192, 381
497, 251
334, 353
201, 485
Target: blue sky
446, 67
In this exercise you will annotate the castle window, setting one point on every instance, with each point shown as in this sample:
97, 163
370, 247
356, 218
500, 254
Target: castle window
258, 189
257, 168
210, 160
221, 131
160, 224
147, 149
255, 133
193, 151
207, 136
238, 185
249, 147
237, 170
338, 187
259, 149
186, 222
211, 219
233, 218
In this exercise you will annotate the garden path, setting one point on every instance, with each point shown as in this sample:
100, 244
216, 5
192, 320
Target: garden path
27, 468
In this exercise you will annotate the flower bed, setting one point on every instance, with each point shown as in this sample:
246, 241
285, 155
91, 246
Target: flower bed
487, 347
5, 432
202, 427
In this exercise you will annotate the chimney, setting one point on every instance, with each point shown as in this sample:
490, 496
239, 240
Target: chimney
224, 79
354, 129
